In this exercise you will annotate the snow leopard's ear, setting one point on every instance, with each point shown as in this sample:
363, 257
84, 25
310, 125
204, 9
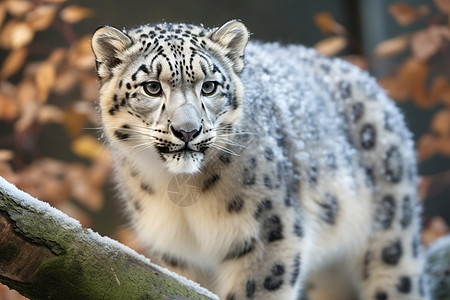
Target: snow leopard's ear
233, 35
108, 43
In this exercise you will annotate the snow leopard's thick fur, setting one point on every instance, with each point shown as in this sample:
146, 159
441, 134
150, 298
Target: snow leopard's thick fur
261, 171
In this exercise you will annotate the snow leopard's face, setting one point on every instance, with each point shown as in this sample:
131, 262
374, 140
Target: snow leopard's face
170, 92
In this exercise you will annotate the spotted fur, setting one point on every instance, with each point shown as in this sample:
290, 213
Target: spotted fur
261, 171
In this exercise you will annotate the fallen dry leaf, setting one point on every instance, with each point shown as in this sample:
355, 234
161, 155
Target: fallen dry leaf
19, 8
16, 34
6, 155
357, 60
327, 24
46, 179
80, 55
89, 88
74, 121
444, 146
42, 17
8, 108
443, 5
426, 147
440, 124
50, 114
75, 13
392, 47
57, 56
66, 80
13, 62
26, 93
436, 228
87, 146
83, 190
2, 12
45, 80
27, 117
405, 14
440, 89
425, 43
331, 46
398, 89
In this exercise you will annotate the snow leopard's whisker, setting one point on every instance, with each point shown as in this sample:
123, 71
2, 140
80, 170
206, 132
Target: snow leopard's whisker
224, 149
229, 142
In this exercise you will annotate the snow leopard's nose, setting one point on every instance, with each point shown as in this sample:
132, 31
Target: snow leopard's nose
186, 136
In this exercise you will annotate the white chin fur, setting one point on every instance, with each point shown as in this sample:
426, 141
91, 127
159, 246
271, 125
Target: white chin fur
185, 165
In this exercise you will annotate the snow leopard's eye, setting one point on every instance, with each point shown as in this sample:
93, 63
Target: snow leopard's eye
152, 88
209, 88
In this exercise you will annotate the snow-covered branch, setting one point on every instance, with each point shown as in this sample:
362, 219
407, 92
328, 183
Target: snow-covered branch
44, 254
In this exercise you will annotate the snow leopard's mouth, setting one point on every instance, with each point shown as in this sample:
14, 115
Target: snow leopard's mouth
185, 149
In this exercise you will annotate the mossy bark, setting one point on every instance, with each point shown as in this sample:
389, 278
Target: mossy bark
44, 259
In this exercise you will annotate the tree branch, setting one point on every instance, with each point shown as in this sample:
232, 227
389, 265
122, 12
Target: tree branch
44, 254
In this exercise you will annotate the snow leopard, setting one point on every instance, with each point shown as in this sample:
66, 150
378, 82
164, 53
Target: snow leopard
260, 170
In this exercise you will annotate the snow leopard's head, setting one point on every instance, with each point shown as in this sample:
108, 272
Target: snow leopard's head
170, 93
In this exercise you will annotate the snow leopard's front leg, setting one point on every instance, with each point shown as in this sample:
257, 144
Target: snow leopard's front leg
266, 268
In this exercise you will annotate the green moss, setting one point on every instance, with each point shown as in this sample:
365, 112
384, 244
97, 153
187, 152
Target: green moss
8, 252
84, 268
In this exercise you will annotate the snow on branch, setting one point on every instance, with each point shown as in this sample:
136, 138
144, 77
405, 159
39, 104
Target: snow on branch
44, 254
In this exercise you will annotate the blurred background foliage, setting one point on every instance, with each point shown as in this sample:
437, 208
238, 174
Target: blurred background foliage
50, 143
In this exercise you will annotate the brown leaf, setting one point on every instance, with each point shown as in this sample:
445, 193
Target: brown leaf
46, 179
83, 190
444, 146
66, 80
26, 93
2, 12
13, 62
403, 13
436, 228
392, 47
50, 114
27, 117
45, 80
443, 5
16, 35
425, 43
19, 8
440, 89
80, 55
357, 60
87, 146
8, 108
426, 147
331, 46
6, 155
74, 121
327, 24
42, 17
413, 73
440, 124
89, 88
397, 89
75, 13
57, 56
